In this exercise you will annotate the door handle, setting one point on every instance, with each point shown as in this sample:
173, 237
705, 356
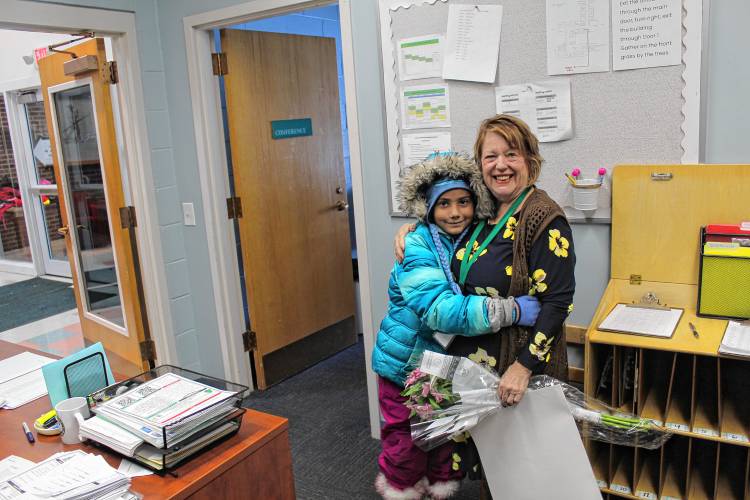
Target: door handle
63, 230
341, 205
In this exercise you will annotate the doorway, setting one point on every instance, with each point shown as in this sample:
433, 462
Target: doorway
288, 165
126, 101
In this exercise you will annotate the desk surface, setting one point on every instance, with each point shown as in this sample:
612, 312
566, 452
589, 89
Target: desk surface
257, 430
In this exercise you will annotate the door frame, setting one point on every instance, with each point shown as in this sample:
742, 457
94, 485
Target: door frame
121, 27
26, 171
210, 146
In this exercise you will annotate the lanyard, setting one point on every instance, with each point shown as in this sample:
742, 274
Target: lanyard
471, 257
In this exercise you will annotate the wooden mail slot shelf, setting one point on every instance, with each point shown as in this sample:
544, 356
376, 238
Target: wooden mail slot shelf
703, 399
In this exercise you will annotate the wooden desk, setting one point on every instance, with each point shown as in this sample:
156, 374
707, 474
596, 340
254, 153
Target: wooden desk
254, 463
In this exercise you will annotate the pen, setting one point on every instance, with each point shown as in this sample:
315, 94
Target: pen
692, 329
26, 430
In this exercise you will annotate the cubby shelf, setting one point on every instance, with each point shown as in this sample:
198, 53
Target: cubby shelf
702, 399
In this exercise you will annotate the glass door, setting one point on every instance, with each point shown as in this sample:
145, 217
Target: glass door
100, 244
42, 191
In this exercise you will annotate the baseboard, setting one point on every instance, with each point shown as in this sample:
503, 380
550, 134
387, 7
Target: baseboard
304, 353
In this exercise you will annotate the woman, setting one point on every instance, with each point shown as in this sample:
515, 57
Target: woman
526, 248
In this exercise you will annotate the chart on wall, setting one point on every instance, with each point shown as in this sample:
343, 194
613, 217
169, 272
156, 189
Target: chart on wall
600, 82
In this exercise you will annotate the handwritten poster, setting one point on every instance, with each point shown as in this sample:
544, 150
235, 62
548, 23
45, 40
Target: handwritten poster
646, 33
473, 42
577, 36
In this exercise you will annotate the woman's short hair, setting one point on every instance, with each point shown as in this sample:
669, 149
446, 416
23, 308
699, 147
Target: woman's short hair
518, 135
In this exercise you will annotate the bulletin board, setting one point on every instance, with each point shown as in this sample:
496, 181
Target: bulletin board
648, 115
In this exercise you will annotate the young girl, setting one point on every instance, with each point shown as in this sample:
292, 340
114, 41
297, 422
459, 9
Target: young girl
442, 192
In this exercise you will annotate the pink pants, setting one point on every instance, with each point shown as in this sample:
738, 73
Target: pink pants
401, 461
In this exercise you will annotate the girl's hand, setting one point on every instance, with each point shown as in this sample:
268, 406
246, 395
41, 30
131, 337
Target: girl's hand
399, 241
513, 384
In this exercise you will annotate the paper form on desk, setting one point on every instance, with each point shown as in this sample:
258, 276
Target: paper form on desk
736, 339
641, 321
13, 465
473, 42
21, 379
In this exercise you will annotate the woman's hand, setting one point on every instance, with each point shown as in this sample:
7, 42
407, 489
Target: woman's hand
513, 384
399, 241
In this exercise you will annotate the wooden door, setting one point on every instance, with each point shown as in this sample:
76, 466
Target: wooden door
82, 134
294, 230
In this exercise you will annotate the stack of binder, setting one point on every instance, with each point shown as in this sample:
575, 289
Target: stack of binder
165, 415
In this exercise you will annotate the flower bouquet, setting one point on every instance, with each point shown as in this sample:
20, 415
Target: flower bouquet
449, 395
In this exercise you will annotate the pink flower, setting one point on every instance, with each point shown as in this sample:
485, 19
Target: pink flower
437, 395
425, 389
413, 377
424, 411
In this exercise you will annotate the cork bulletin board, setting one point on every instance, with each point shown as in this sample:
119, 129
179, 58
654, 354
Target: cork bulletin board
634, 116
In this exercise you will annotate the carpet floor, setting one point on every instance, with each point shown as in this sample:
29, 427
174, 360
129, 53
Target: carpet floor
32, 300
333, 455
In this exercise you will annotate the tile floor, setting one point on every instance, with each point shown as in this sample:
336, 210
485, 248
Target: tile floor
59, 334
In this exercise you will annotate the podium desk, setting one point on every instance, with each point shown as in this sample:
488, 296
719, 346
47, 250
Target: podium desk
254, 463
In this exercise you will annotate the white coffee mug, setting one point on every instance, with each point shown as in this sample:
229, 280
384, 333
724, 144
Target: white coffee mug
69, 413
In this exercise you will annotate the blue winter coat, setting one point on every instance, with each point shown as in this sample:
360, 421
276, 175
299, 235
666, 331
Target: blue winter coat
422, 302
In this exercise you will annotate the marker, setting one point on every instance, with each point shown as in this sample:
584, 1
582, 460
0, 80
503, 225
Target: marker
694, 330
28, 433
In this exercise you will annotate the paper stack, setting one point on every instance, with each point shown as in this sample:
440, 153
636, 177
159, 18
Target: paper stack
736, 341
74, 475
100, 430
21, 379
168, 409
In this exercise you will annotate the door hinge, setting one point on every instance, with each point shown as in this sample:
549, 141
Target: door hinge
148, 350
127, 217
234, 207
109, 72
635, 279
249, 340
219, 63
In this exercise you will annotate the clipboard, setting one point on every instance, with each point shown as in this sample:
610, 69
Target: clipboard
653, 320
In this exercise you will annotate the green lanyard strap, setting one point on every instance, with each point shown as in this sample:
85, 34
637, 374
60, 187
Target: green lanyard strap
471, 257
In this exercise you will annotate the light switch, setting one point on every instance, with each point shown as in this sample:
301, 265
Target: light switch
188, 214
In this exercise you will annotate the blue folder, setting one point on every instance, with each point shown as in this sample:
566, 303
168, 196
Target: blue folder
54, 373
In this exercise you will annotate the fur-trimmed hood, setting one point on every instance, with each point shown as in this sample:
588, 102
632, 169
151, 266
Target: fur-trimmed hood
417, 178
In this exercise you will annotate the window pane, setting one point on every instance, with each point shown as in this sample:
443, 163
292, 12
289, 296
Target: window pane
85, 193
40, 145
53, 222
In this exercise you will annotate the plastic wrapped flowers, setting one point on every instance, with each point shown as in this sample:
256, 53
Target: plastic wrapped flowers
449, 395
